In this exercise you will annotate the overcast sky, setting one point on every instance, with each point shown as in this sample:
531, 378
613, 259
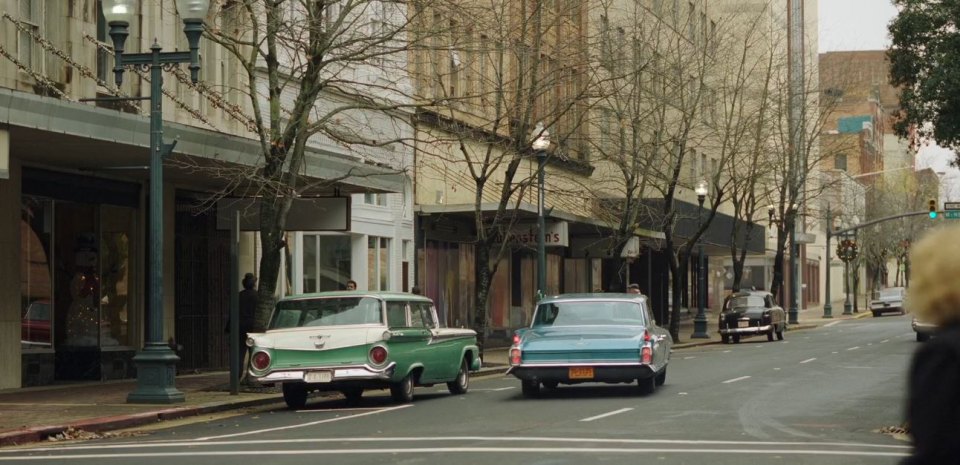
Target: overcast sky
855, 24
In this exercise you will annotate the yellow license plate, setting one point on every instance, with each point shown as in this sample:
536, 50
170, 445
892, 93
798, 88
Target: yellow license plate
581, 373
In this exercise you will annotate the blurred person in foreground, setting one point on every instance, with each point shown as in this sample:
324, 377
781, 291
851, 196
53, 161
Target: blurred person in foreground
933, 395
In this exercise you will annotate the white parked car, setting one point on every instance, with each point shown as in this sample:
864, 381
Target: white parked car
889, 300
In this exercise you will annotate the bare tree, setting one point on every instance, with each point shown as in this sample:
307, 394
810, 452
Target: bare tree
315, 73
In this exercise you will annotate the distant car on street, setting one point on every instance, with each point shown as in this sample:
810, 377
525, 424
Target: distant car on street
349, 341
581, 338
35, 326
748, 313
923, 329
889, 300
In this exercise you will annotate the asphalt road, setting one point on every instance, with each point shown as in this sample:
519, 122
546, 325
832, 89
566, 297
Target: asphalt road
819, 397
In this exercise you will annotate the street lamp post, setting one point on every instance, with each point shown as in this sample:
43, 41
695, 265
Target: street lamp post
700, 322
792, 313
156, 363
827, 307
540, 145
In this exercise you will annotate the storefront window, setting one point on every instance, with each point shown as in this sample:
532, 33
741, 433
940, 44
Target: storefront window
326, 263
35, 279
77, 299
378, 259
116, 243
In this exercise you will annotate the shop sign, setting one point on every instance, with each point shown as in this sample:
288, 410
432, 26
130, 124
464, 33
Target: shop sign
555, 235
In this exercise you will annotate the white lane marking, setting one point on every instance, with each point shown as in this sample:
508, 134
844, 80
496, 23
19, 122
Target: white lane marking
448, 450
301, 425
688, 358
528, 439
734, 380
831, 324
493, 389
808, 360
348, 409
776, 369
727, 351
604, 415
854, 348
885, 341
834, 352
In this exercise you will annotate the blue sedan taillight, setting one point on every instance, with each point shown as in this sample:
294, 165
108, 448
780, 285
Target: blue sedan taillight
646, 355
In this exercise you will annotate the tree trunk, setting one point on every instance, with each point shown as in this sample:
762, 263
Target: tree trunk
677, 270
272, 218
484, 277
738, 261
777, 285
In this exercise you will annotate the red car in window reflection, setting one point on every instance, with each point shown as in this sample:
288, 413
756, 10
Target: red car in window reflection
35, 325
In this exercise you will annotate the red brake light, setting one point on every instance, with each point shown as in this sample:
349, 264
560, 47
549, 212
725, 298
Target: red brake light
516, 338
514, 356
260, 360
646, 355
378, 355
646, 336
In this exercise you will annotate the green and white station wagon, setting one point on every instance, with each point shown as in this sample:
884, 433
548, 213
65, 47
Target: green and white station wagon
349, 341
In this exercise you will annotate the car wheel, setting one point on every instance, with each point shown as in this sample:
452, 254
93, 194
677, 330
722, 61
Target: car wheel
780, 333
875, 314
921, 337
736, 338
662, 377
462, 383
353, 395
402, 392
647, 385
551, 384
530, 388
725, 338
295, 395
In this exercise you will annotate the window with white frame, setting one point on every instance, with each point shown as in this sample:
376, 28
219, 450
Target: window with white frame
28, 52
378, 263
375, 199
326, 262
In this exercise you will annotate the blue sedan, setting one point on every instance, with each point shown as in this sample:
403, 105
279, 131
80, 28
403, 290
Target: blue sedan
580, 338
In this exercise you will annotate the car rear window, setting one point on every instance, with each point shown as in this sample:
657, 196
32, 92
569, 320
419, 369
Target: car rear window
747, 301
887, 293
327, 312
589, 313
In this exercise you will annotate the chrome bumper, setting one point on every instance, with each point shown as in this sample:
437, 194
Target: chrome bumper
603, 370
747, 330
923, 327
339, 373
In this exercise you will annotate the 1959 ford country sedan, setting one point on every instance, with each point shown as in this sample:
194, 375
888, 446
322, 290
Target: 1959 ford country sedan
577, 338
354, 340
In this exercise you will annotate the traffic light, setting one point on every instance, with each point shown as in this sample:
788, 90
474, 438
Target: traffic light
933, 208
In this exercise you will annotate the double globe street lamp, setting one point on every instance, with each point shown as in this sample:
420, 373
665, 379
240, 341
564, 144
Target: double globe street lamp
156, 363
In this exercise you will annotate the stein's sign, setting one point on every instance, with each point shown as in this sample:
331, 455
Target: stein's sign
556, 234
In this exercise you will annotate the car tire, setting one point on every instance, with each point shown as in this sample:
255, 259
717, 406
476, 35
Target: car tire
462, 382
725, 338
780, 333
402, 392
921, 337
530, 388
551, 384
295, 395
647, 385
661, 377
875, 314
736, 338
352, 395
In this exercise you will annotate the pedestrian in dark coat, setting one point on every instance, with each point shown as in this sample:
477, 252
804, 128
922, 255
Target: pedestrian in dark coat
933, 399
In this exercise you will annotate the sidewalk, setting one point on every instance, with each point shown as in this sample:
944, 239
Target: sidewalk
36, 414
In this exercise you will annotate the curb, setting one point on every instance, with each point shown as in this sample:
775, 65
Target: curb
110, 423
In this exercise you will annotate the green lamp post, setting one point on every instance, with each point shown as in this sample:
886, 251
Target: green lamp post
156, 362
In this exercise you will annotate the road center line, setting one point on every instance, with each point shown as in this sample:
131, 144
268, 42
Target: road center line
885, 341
301, 425
604, 415
808, 360
831, 324
492, 389
734, 380
854, 348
